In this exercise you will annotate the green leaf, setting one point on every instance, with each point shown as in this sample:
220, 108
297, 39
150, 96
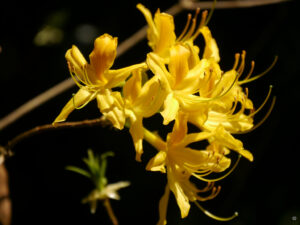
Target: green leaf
79, 170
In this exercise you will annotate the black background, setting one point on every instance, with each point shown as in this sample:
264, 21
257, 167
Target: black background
43, 192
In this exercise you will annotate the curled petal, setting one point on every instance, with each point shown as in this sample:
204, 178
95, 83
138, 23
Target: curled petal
82, 97
103, 55
171, 107
161, 31
158, 162
211, 49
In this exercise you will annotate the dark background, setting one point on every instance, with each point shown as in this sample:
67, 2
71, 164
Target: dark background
43, 192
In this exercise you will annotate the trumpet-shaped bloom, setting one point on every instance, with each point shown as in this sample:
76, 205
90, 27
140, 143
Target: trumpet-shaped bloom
180, 162
96, 79
161, 35
161, 31
181, 83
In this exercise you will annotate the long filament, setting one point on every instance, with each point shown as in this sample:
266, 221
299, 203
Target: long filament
186, 27
259, 75
214, 216
222, 177
263, 120
211, 12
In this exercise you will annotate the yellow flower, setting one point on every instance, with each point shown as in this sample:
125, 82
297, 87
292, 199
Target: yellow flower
95, 80
181, 162
141, 101
181, 82
161, 35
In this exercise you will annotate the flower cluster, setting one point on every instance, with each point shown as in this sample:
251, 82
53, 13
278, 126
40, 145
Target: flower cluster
184, 87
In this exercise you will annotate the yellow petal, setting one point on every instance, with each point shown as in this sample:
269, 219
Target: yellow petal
195, 137
111, 106
76, 61
152, 33
178, 65
163, 206
166, 33
115, 77
137, 134
157, 163
157, 66
82, 97
150, 99
226, 84
171, 107
133, 86
181, 199
179, 130
201, 160
191, 82
211, 49
226, 139
236, 123
194, 57
198, 118
103, 55
161, 32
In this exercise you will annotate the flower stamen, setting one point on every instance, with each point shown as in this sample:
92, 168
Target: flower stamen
259, 75
219, 178
214, 216
189, 17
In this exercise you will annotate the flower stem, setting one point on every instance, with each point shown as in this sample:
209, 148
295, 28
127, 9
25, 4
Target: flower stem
154, 140
110, 212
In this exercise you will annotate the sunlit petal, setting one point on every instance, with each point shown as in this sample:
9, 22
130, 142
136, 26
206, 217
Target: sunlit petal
157, 163
111, 105
179, 130
82, 97
103, 55
211, 49
181, 199
163, 205
171, 107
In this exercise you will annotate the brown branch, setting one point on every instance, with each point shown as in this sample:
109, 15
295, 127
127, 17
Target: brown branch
110, 212
7, 149
193, 4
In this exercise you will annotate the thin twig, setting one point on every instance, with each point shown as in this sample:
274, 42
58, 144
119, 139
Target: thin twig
192, 4
110, 212
7, 149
